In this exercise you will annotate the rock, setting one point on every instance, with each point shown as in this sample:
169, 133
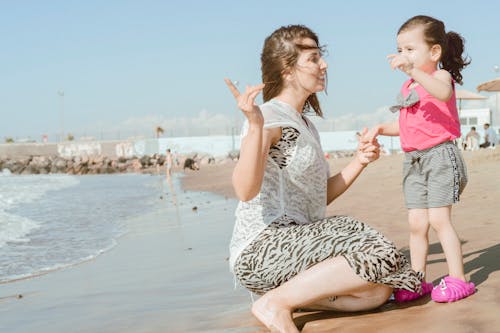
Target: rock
59, 165
135, 165
190, 163
29, 170
80, 165
145, 161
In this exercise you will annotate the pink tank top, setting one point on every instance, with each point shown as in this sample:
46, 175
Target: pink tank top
428, 122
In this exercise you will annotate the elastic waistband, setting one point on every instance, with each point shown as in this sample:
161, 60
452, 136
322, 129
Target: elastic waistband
419, 153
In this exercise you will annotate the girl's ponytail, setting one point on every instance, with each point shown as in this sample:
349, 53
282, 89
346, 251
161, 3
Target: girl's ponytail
452, 60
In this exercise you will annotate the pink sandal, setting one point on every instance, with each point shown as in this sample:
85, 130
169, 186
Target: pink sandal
451, 289
401, 295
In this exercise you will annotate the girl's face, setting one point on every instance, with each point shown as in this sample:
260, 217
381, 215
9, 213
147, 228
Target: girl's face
411, 44
310, 70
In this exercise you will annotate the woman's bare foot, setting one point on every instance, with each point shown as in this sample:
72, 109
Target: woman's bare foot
275, 317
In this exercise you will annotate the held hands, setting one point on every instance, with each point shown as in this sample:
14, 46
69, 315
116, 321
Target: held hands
370, 136
368, 147
400, 62
246, 102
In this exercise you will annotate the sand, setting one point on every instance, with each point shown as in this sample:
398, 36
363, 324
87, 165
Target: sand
169, 273
376, 198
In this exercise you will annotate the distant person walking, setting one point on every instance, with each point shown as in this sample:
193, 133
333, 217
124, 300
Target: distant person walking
169, 163
490, 137
434, 173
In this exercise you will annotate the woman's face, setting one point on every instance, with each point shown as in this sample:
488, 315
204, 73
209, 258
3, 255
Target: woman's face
310, 70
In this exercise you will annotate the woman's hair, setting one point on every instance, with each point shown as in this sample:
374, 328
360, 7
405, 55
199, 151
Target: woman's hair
452, 44
280, 53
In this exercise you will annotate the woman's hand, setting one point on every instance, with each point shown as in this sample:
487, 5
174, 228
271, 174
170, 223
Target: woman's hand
366, 153
248, 174
368, 148
246, 102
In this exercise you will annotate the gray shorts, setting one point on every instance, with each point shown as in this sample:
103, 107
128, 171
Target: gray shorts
434, 177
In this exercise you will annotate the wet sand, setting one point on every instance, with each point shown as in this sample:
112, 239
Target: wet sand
169, 273
376, 198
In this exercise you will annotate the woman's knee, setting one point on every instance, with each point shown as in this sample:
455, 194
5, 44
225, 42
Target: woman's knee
370, 298
376, 295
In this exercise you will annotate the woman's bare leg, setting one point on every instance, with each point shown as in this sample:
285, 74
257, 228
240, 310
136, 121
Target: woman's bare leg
362, 301
332, 277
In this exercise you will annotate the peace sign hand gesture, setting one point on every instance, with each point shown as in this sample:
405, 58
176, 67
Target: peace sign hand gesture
246, 102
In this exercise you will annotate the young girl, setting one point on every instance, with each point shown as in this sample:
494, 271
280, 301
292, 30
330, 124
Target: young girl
434, 173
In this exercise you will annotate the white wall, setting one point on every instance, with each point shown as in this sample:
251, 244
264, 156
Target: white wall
475, 117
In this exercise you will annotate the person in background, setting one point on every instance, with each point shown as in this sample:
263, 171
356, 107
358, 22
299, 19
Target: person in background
490, 137
168, 163
472, 139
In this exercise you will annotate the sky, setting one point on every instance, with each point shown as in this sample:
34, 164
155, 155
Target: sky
117, 69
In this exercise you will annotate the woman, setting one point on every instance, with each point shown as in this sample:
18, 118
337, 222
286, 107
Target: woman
283, 247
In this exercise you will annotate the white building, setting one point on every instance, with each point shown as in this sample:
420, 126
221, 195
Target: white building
475, 117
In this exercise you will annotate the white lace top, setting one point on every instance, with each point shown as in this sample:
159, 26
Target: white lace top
297, 191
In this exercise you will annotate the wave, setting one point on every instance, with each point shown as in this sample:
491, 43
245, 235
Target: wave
55, 267
16, 191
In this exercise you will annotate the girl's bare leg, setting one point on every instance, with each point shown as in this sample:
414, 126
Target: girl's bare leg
419, 238
440, 220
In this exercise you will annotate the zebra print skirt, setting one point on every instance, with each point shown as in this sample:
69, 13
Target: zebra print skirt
285, 249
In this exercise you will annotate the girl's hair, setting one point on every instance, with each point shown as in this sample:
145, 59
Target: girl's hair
281, 51
452, 44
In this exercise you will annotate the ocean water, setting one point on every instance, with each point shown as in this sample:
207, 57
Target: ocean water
48, 222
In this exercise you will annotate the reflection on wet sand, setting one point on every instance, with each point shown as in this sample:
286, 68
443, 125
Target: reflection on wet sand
173, 196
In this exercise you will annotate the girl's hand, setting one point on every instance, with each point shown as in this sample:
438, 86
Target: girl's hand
400, 62
371, 135
246, 102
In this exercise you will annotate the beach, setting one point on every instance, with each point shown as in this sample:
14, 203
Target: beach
168, 271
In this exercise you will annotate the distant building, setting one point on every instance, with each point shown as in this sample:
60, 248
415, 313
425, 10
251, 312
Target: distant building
475, 117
